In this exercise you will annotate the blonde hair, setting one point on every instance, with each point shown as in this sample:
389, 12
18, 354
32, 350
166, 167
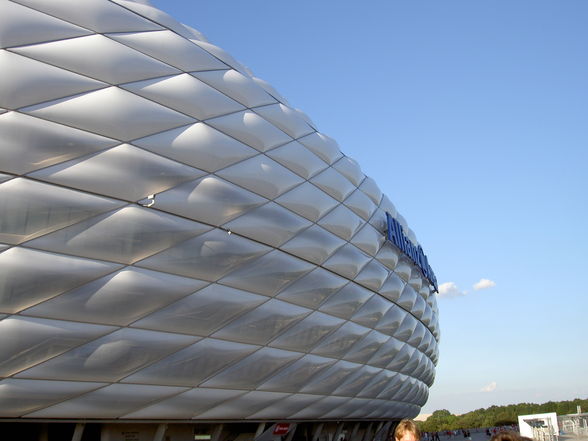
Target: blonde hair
407, 426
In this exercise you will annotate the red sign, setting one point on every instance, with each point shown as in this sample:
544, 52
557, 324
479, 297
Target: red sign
281, 428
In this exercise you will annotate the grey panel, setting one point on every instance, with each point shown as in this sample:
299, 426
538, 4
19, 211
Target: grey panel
360, 204
20, 26
339, 342
347, 261
298, 158
186, 405
29, 209
305, 334
203, 312
110, 358
108, 402
209, 199
206, 257
350, 169
270, 224
312, 289
244, 405
25, 341
119, 298
369, 240
53, 275
295, 376
287, 406
367, 347
145, 173
110, 62
268, 274
285, 119
347, 301
29, 143
372, 276
185, 94
263, 323
198, 145
342, 222
193, 364
314, 244
170, 48
356, 382
142, 117
252, 129
323, 146
126, 235
19, 397
27, 82
333, 183
253, 370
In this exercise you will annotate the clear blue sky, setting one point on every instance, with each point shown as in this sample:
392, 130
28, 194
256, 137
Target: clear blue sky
472, 117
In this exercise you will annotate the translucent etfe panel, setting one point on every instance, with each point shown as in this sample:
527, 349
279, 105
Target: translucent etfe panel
401, 358
372, 276
19, 397
111, 401
111, 62
298, 158
26, 82
219, 53
125, 172
347, 261
363, 350
203, 312
141, 117
323, 146
172, 49
348, 300
268, 274
340, 341
112, 357
295, 376
29, 143
270, 224
407, 298
186, 94
348, 407
253, 370
308, 201
306, 334
20, 26
30, 276
270, 89
185, 405
342, 222
126, 235
243, 406
315, 244
286, 407
252, 129
29, 209
263, 323
25, 342
333, 183
369, 240
210, 199
236, 85
320, 408
386, 353
372, 312
330, 379
97, 15
312, 289
350, 169
360, 204
261, 175
392, 287
354, 384
286, 119
388, 255
193, 364
118, 298
418, 335
198, 145
369, 187
391, 320
419, 307
206, 257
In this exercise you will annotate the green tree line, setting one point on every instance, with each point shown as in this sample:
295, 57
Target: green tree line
497, 415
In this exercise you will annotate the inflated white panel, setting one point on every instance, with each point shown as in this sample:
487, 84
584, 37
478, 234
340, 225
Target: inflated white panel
177, 242
27, 82
111, 62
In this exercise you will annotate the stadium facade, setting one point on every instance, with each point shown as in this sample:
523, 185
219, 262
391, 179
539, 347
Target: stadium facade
182, 253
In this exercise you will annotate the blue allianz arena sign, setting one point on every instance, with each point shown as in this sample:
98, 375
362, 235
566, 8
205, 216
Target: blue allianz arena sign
395, 234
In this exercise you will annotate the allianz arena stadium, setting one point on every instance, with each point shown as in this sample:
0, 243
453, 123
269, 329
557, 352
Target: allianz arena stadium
185, 256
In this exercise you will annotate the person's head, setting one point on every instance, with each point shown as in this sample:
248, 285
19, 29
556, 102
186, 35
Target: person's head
407, 431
